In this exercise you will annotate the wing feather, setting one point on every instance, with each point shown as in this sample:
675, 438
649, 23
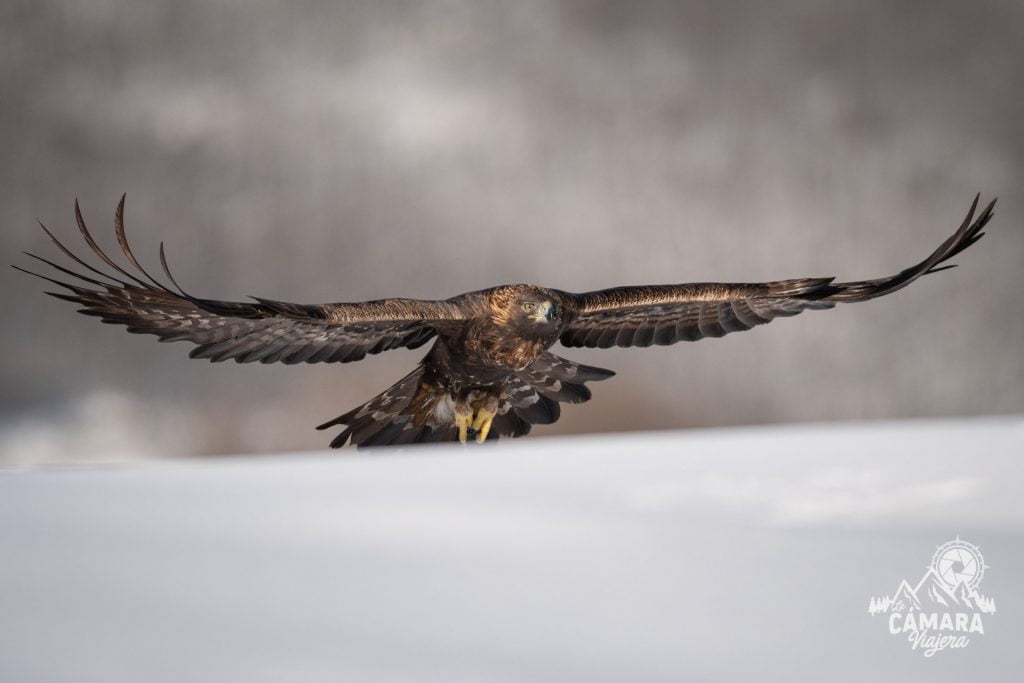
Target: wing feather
666, 314
265, 330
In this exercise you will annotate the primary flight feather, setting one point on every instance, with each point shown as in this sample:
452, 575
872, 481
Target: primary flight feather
489, 372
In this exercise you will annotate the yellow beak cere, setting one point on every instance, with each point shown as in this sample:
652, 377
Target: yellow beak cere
543, 311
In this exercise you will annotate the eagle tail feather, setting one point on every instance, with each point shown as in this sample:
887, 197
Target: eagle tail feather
532, 396
385, 419
537, 391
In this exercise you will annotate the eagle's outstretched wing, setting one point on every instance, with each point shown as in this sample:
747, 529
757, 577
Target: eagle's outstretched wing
265, 331
666, 314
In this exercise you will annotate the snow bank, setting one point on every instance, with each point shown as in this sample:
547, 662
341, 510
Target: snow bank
746, 554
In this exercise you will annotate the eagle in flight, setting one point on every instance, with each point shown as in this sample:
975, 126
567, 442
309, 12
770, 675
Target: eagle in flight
489, 372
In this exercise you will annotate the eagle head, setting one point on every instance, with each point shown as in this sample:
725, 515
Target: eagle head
531, 310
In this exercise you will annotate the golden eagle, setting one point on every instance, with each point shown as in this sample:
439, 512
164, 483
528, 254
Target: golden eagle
489, 371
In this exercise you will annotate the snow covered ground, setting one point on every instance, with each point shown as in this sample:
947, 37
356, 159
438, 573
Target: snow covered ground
723, 555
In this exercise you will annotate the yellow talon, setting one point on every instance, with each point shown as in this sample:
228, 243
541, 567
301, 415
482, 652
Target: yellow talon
482, 423
462, 421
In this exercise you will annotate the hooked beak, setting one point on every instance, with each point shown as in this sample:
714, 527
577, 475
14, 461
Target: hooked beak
545, 312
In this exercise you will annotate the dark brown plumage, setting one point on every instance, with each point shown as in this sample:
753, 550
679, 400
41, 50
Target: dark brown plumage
489, 371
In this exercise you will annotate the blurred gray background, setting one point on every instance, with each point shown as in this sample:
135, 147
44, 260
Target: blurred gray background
336, 151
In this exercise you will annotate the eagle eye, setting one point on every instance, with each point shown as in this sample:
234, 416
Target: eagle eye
529, 307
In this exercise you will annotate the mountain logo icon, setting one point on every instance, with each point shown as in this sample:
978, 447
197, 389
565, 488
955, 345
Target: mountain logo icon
944, 609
